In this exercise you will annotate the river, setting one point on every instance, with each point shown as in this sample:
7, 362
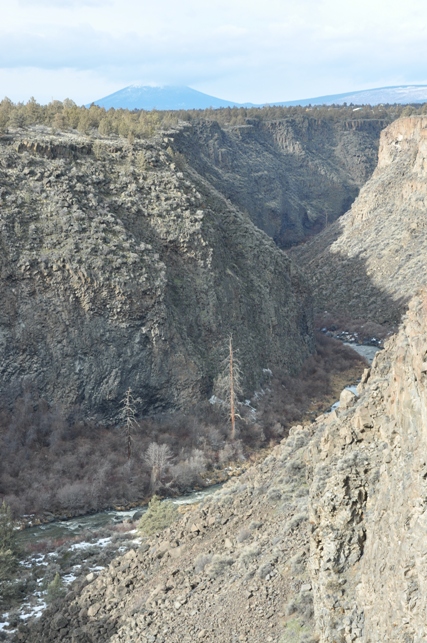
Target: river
87, 544
73, 548
368, 352
94, 522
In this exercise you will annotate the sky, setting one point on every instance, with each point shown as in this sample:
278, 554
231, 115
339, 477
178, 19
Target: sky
241, 50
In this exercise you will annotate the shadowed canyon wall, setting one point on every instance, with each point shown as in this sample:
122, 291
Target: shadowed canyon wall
290, 176
370, 262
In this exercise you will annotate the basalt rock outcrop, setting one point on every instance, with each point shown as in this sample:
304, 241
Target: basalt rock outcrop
370, 262
118, 270
368, 500
291, 176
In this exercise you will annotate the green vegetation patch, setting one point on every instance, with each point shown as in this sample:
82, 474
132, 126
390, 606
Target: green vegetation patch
159, 515
55, 589
295, 632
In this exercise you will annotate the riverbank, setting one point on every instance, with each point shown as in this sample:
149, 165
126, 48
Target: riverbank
75, 546
249, 456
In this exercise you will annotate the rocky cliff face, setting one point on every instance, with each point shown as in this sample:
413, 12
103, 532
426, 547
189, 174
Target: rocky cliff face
370, 262
368, 500
291, 176
119, 270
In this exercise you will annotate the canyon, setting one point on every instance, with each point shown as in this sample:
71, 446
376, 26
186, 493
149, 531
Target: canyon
323, 539
293, 176
128, 265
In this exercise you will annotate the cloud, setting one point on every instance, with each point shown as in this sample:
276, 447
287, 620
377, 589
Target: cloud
87, 48
65, 4
242, 49
84, 47
46, 85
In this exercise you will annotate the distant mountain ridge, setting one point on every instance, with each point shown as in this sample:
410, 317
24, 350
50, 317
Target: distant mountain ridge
171, 97
400, 94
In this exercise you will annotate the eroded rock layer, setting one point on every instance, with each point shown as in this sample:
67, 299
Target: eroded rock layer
368, 500
118, 270
371, 262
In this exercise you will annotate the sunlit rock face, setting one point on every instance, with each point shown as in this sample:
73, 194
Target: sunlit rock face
368, 507
120, 270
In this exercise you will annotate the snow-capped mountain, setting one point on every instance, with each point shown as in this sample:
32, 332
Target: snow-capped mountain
401, 94
168, 97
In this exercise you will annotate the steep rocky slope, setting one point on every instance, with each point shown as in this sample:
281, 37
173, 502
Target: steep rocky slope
247, 565
368, 500
291, 176
119, 270
370, 262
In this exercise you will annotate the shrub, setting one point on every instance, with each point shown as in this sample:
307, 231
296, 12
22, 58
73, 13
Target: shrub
7, 534
274, 495
302, 605
187, 472
55, 589
248, 554
8, 546
201, 561
296, 632
299, 563
218, 565
159, 515
297, 521
244, 534
264, 570
7, 564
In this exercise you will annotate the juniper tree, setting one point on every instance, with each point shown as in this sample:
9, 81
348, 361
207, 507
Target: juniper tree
8, 544
159, 515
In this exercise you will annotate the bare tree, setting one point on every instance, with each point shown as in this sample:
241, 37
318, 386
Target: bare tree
228, 385
129, 413
158, 457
